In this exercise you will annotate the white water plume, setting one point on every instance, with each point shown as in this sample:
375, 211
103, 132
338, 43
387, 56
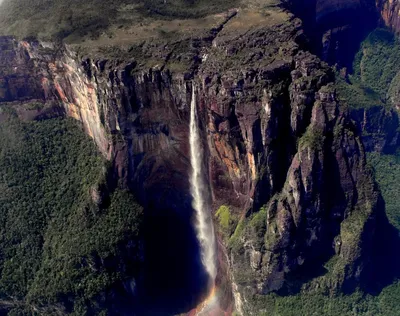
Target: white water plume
199, 191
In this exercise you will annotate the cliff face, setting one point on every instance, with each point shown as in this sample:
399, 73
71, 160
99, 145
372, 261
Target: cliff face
389, 11
380, 128
282, 151
139, 118
37, 72
324, 210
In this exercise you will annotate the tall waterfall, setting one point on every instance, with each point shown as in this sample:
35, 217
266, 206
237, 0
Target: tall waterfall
200, 193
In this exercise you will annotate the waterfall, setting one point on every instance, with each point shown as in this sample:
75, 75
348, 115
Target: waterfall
200, 193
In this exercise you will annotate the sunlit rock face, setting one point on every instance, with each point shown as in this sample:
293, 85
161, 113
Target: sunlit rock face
127, 115
390, 13
139, 122
30, 71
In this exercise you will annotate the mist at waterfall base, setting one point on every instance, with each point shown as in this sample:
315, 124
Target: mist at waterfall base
174, 279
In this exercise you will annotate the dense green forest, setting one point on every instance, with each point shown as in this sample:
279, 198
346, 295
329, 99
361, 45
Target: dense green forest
374, 77
387, 173
54, 240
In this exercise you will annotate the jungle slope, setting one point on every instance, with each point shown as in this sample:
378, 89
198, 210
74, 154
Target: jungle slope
64, 238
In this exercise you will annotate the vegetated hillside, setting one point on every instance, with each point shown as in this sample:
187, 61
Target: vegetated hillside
74, 19
375, 71
387, 171
63, 243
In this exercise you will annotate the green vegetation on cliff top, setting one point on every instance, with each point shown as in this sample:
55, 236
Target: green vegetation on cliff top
53, 238
75, 19
377, 62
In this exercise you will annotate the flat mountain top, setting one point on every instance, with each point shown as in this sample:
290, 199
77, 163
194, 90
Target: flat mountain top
120, 22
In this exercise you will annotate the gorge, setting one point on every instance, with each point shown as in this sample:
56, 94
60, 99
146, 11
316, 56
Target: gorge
244, 134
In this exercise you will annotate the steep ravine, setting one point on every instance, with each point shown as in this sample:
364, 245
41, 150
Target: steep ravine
335, 28
282, 155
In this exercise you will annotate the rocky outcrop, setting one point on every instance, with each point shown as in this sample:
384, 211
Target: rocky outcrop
325, 209
389, 11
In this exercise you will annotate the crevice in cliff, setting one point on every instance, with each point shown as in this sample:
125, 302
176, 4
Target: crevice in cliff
213, 34
275, 159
